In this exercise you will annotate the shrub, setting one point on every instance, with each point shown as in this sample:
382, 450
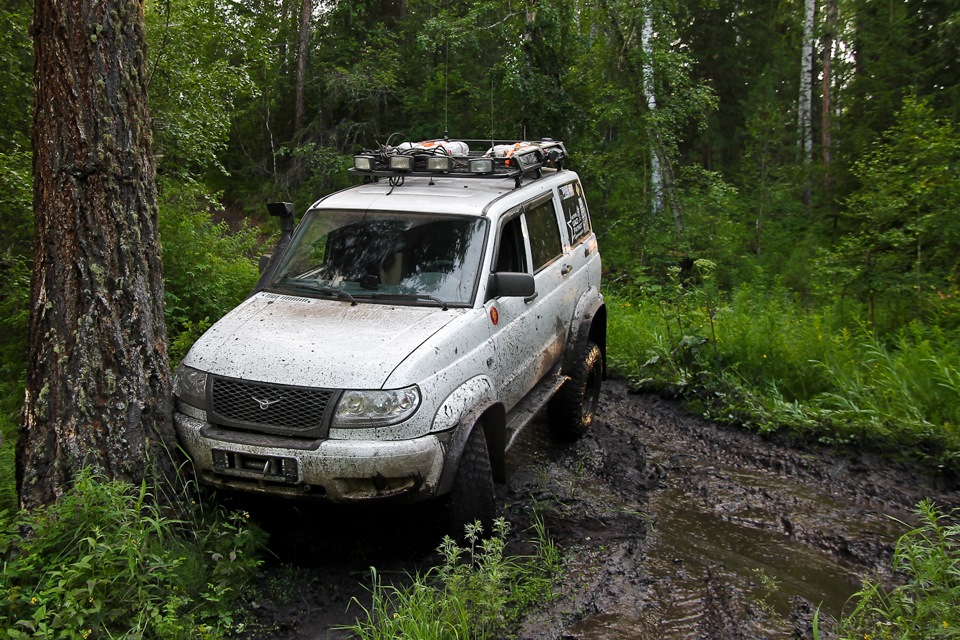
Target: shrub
476, 592
207, 269
927, 603
105, 561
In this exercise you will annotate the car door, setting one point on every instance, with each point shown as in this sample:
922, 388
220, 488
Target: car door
527, 332
581, 257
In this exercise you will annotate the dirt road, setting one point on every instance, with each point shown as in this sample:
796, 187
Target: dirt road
671, 527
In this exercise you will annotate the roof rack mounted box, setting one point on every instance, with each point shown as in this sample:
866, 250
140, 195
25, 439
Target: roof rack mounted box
501, 159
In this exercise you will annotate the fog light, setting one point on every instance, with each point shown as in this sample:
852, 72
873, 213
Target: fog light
439, 163
363, 163
481, 165
401, 163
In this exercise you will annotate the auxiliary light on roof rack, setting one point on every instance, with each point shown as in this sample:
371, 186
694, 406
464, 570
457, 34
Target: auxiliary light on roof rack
454, 158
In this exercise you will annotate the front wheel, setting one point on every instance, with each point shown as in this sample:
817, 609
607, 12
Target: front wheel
472, 497
572, 410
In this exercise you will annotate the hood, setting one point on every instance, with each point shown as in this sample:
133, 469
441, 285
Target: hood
315, 343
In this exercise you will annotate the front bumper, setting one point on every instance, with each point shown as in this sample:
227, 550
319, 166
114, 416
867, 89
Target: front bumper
341, 471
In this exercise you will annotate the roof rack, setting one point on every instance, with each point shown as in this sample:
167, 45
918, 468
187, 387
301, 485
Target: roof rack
458, 159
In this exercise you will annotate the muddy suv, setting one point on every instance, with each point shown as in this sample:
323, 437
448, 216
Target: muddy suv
401, 338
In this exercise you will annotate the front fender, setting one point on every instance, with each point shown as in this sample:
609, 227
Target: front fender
462, 409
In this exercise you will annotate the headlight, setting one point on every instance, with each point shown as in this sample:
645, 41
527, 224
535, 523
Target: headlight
190, 386
376, 408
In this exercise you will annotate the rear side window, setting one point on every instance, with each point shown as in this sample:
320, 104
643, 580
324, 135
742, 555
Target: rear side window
544, 233
575, 212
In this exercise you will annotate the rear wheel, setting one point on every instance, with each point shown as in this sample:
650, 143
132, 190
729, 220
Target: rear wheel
572, 410
472, 497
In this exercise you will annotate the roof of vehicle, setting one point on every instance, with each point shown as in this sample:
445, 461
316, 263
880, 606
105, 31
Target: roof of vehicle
452, 195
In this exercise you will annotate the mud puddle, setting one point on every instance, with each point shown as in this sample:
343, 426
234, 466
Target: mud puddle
671, 527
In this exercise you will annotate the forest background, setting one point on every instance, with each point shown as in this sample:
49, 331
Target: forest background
774, 183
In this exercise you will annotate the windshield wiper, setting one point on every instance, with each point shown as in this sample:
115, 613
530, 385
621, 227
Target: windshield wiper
338, 293
411, 296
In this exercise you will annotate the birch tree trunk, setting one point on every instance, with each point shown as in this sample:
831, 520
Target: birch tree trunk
804, 120
98, 383
656, 170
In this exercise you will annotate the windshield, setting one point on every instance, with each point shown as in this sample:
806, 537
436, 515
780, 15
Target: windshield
356, 255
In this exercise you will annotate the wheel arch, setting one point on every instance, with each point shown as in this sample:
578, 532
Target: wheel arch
492, 417
592, 327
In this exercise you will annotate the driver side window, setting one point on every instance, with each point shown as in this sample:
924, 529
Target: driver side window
511, 254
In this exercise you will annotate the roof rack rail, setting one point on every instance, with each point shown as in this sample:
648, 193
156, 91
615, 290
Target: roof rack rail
483, 159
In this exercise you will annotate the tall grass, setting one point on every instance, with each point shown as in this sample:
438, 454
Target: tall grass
763, 360
926, 603
106, 562
476, 592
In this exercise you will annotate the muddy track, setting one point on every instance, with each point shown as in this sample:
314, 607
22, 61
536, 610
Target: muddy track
671, 527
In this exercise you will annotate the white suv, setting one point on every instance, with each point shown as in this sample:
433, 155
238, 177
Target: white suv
399, 342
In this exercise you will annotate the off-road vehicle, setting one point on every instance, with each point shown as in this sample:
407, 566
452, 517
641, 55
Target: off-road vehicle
401, 338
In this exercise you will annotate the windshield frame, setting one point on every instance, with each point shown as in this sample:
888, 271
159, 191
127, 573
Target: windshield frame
375, 296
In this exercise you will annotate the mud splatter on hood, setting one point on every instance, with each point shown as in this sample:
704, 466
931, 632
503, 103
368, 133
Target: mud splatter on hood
312, 342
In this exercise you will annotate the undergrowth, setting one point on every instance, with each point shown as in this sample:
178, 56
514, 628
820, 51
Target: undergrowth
763, 360
106, 562
925, 604
475, 593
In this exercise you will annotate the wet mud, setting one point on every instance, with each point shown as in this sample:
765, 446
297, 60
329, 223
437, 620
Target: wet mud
670, 527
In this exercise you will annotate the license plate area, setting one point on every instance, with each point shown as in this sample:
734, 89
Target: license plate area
255, 466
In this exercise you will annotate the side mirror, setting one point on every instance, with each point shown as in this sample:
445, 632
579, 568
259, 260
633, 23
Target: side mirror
511, 285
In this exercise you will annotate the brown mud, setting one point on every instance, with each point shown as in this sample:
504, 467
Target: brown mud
670, 527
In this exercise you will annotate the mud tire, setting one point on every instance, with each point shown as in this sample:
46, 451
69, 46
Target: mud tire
472, 497
572, 409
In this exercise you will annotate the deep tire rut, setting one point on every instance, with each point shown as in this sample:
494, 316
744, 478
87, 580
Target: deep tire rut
670, 526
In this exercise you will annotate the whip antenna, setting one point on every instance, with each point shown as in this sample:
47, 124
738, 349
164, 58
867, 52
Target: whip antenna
446, 94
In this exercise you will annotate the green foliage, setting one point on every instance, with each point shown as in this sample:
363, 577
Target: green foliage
475, 593
926, 604
16, 69
208, 269
905, 244
105, 561
761, 359
201, 52
16, 201
314, 170
14, 311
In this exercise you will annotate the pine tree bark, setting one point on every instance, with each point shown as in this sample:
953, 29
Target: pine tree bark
303, 48
98, 381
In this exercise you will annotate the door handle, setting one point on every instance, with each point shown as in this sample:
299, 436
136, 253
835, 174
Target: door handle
565, 269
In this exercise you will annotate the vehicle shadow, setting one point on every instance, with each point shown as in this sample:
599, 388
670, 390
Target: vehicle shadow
312, 534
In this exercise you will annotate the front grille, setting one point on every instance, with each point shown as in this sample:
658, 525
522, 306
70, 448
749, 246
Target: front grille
269, 408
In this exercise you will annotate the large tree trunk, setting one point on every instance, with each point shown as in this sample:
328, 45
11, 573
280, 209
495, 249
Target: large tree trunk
303, 49
98, 382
